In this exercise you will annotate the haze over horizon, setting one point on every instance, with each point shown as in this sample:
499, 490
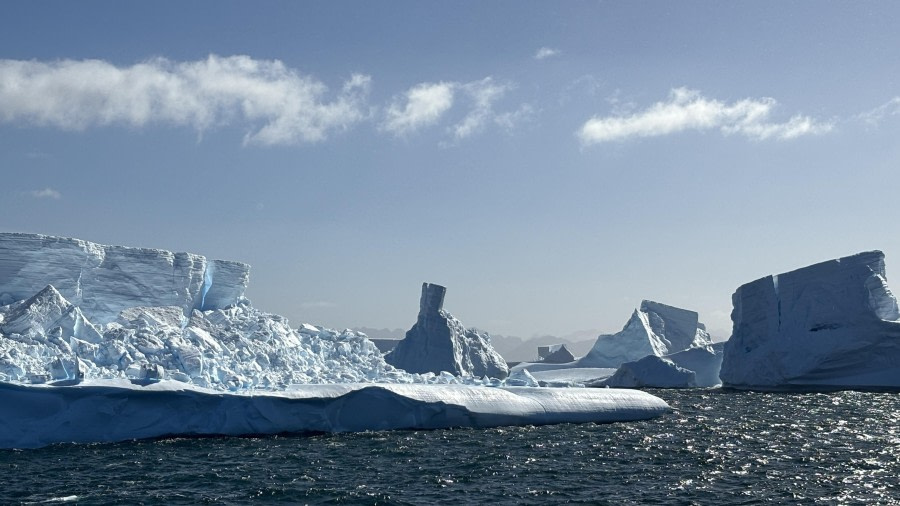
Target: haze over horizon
550, 164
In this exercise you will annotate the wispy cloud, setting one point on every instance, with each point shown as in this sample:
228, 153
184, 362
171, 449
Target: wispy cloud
878, 114
688, 110
426, 104
46, 193
546, 52
484, 94
275, 104
421, 106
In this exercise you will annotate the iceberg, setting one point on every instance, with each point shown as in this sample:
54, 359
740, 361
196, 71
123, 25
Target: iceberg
439, 342
116, 410
652, 371
654, 329
106, 343
834, 324
660, 346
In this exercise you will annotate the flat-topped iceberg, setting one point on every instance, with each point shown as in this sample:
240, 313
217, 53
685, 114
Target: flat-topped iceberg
439, 342
834, 324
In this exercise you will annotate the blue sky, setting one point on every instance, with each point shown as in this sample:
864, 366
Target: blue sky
552, 164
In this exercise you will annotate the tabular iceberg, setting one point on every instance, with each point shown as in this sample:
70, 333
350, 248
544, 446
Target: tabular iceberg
439, 342
834, 324
94, 360
106, 411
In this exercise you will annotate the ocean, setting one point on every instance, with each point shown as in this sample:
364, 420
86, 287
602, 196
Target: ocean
716, 447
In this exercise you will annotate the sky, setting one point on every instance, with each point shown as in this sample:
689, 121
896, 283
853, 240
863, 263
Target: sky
551, 163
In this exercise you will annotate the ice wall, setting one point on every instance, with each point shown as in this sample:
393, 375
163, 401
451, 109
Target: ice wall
832, 324
439, 342
103, 280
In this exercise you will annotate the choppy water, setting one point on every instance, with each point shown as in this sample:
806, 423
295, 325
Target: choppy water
715, 448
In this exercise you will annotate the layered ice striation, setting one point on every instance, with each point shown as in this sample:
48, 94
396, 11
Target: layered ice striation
439, 342
834, 324
654, 329
103, 280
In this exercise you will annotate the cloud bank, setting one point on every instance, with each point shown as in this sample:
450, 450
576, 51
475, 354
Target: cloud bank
275, 103
689, 110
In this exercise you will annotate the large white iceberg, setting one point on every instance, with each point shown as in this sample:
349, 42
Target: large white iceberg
135, 344
439, 342
830, 325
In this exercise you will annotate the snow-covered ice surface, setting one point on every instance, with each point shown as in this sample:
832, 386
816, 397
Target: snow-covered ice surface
143, 343
834, 324
116, 410
439, 342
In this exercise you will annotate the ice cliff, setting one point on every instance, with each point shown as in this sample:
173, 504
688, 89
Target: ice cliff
832, 324
103, 280
439, 342
654, 329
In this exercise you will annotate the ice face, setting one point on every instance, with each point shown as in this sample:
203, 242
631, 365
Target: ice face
832, 324
439, 342
104, 280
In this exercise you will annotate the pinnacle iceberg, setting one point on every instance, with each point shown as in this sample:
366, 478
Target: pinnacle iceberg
439, 342
834, 324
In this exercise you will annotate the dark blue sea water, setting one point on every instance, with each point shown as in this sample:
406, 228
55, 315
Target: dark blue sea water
715, 448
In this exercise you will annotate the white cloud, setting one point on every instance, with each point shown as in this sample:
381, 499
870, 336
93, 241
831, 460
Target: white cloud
46, 193
546, 52
689, 110
421, 106
877, 115
483, 94
510, 120
276, 104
